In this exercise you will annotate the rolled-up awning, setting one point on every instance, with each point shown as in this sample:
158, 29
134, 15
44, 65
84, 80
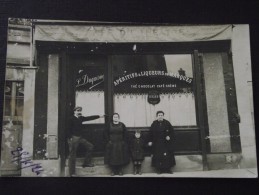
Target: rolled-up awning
122, 33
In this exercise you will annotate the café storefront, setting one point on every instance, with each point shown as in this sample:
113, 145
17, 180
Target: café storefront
136, 71
185, 71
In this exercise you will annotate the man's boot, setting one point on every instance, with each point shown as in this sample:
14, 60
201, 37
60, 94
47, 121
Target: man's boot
135, 170
139, 169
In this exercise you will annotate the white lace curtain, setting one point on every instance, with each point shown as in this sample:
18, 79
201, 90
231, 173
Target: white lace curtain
92, 103
135, 111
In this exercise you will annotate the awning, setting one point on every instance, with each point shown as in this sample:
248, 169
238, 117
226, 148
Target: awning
121, 33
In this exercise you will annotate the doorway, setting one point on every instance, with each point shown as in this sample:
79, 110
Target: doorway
89, 92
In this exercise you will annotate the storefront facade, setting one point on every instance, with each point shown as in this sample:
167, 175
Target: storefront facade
186, 71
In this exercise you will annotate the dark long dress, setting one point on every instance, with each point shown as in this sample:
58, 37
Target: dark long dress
117, 151
162, 149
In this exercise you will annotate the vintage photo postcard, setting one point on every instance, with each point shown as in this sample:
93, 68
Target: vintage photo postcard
96, 99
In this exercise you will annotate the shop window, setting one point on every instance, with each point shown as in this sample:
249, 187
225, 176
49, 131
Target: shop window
12, 125
14, 96
144, 84
89, 86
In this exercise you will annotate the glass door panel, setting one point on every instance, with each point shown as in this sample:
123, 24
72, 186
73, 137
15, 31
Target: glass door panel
89, 86
89, 93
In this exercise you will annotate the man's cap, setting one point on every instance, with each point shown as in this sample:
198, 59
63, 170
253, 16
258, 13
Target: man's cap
77, 108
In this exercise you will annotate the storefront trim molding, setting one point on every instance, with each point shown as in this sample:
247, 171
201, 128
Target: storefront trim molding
119, 33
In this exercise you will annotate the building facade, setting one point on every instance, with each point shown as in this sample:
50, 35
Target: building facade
200, 76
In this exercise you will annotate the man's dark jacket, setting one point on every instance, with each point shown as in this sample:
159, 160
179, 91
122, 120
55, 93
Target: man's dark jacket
77, 126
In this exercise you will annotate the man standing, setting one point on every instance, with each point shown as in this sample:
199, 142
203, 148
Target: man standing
76, 139
161, 140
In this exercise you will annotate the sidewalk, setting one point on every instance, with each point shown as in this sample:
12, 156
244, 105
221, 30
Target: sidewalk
230, 173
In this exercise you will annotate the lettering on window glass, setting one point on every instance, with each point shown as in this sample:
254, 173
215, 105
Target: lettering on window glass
144, 84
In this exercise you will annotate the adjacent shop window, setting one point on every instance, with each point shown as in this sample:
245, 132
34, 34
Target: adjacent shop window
12, 124
89, 85
144, 84
14, 96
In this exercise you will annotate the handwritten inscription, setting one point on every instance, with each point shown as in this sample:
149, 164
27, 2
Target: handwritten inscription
23, 159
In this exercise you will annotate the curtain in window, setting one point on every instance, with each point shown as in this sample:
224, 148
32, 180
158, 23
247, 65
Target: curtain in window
135, 111
92, 103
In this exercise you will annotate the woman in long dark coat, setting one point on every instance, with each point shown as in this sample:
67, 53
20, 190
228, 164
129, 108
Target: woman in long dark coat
161, 140
117, 151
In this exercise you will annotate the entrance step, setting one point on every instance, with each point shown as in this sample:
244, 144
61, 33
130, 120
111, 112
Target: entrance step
95, 160
184, 163
98, 170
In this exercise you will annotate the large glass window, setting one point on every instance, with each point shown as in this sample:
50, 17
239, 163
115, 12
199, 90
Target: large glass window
14, 96
144, 84
89, 85
12, 123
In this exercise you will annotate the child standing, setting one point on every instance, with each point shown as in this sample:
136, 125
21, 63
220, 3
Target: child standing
137, 152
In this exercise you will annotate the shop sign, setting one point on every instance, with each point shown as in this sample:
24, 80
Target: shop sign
153, 97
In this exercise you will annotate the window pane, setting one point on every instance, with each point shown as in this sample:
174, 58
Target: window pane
169, 77
89, 83
8, 92
14, 97
19, 99
12, 123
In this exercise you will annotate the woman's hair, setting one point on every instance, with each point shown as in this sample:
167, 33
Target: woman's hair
160, 111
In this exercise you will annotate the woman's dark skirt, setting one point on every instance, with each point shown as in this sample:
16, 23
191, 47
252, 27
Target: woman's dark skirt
117, 153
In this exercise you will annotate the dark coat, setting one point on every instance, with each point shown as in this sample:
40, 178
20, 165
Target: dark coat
137, 149
162, 149
117, 151
77, 126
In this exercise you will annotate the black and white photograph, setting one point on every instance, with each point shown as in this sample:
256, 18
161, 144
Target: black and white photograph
107, 99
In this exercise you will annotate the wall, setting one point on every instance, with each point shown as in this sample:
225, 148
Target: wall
243, 79
19, 69
216, 103
243, 82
